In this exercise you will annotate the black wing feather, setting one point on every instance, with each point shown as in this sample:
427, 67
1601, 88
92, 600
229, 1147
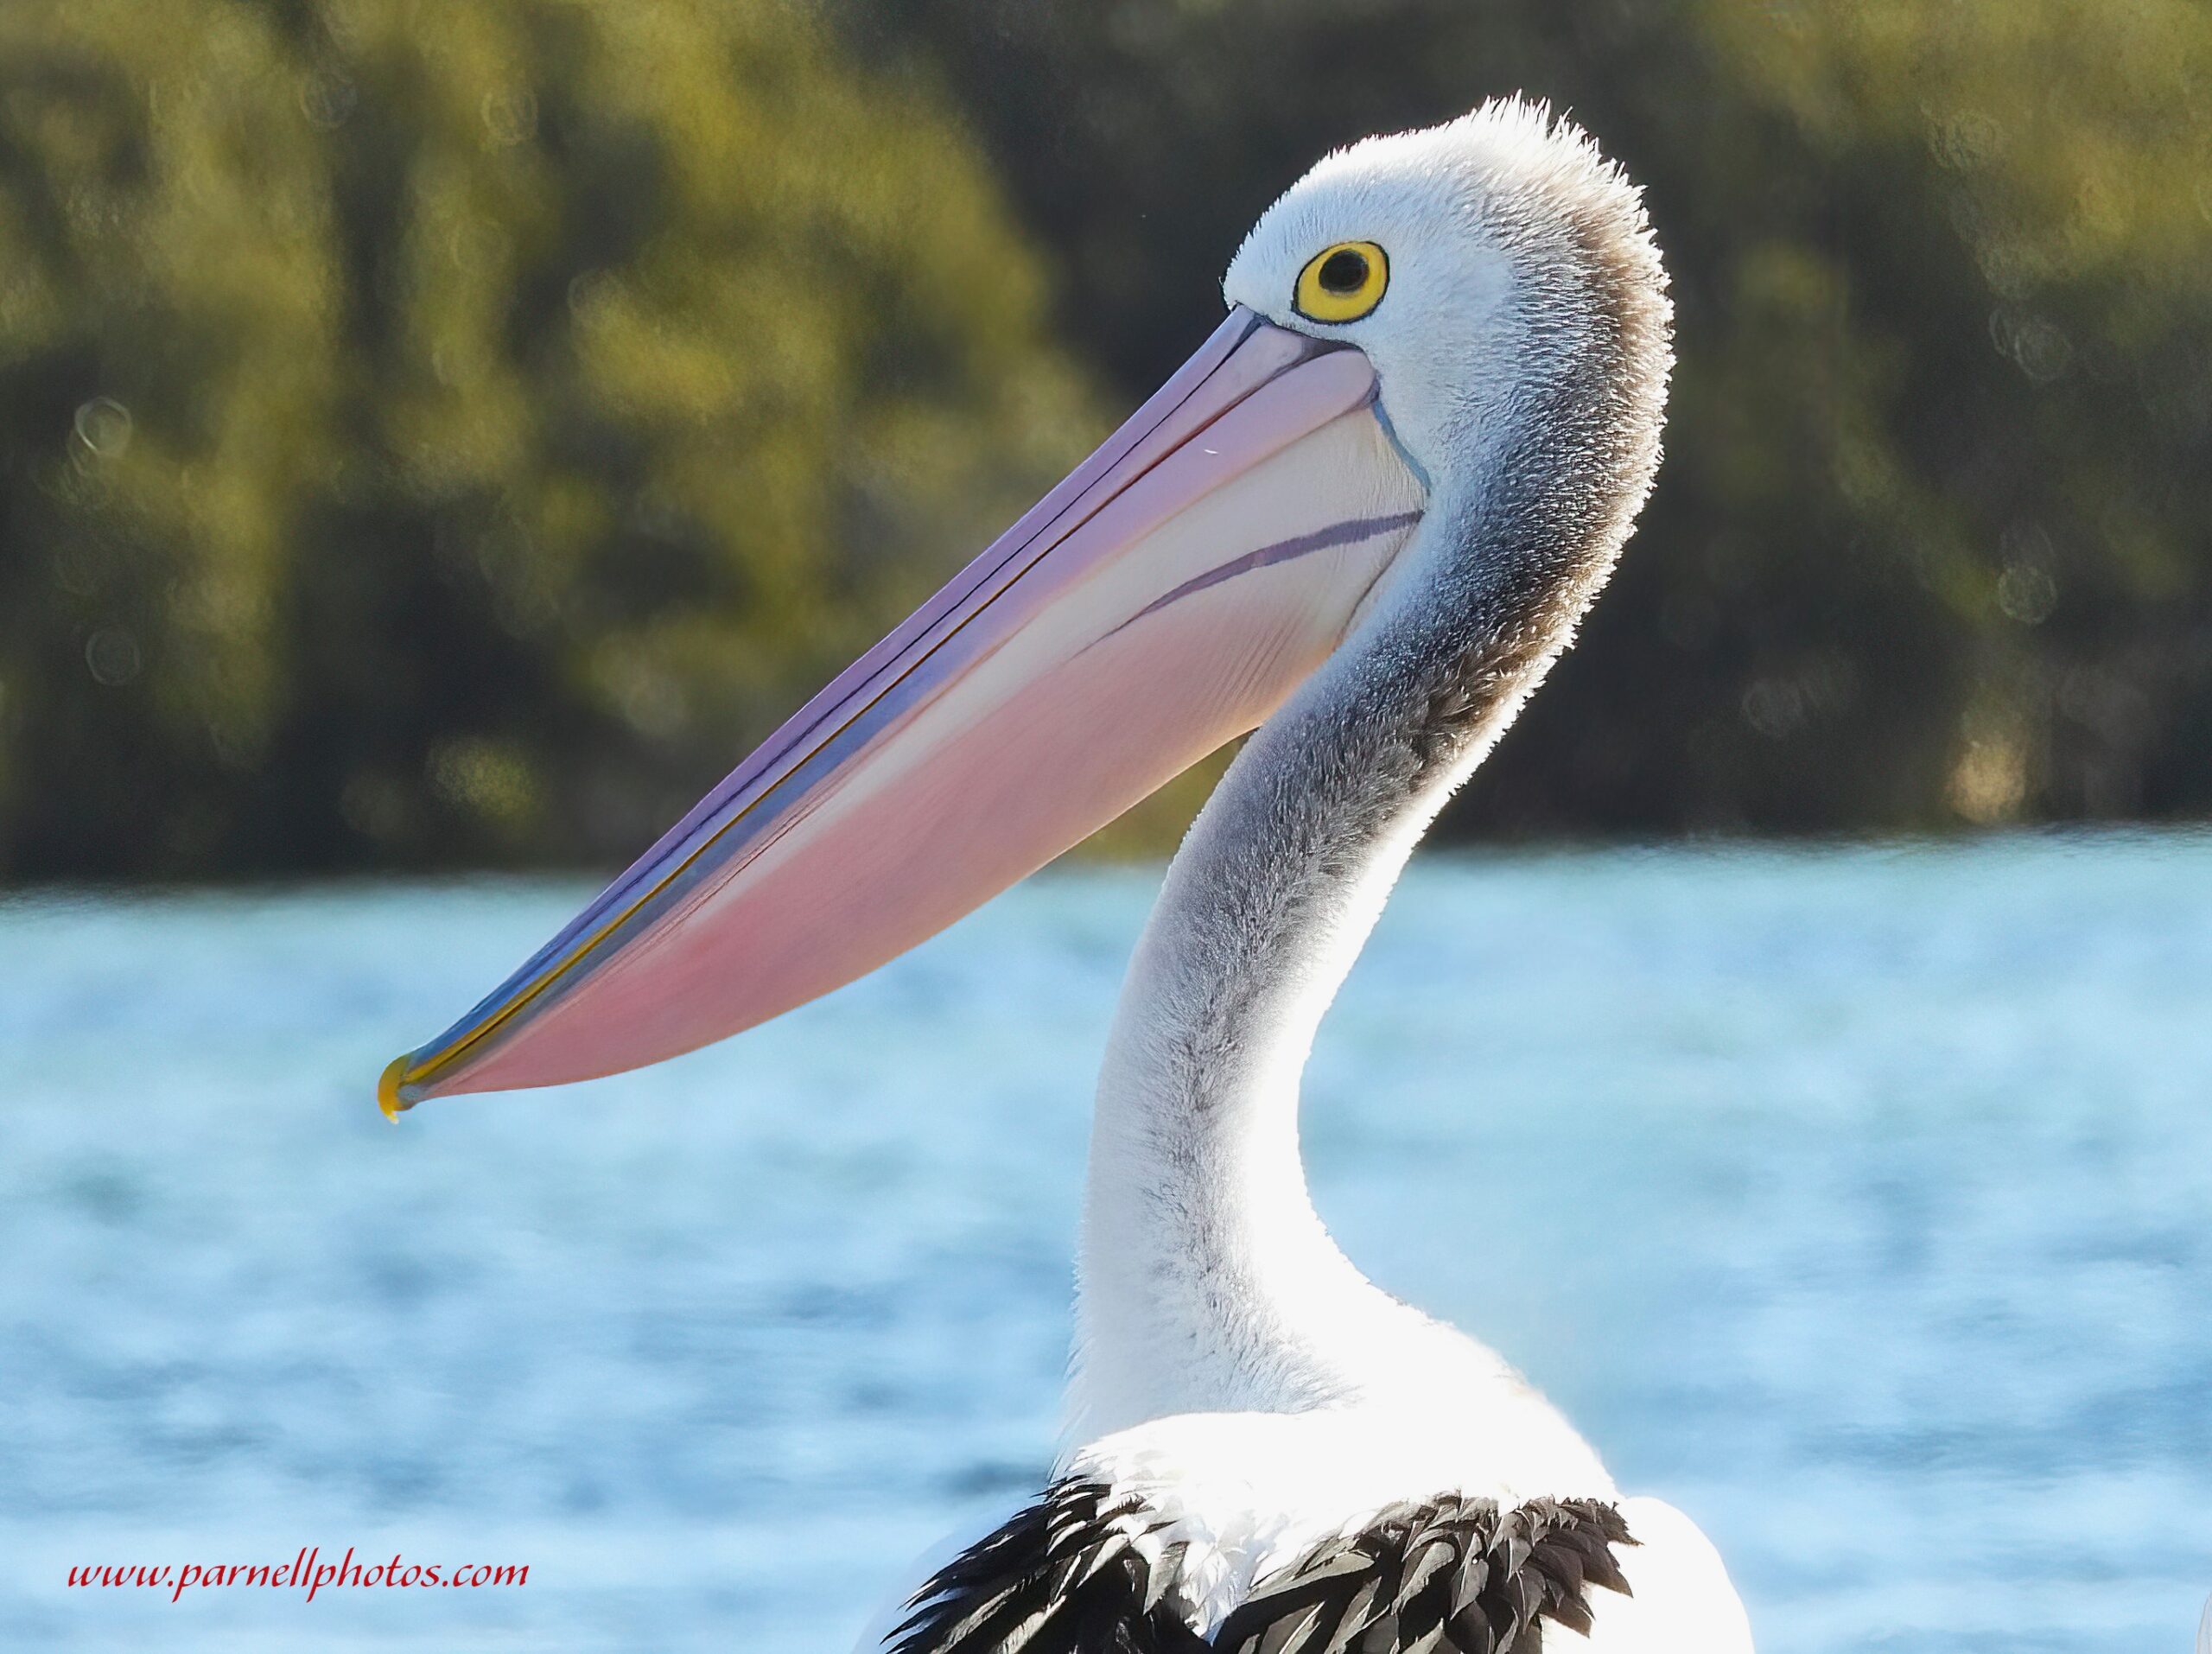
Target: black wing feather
1450, 1574
1458, 1576
1061, 1577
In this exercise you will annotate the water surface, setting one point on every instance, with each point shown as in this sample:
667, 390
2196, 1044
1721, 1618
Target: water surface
1858, 1201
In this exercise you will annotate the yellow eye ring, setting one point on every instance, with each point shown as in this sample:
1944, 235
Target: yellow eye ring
1343, 283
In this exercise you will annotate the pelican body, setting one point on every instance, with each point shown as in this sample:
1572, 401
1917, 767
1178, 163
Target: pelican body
1360, 524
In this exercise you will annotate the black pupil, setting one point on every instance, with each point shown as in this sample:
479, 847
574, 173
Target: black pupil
1344, 272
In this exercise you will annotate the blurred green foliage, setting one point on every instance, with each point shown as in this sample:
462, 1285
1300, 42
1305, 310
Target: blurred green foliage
1930, 542
448, 433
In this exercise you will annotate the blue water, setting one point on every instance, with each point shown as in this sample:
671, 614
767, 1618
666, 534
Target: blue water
1858, 1201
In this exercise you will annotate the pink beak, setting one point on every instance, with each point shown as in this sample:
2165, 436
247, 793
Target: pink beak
1160, 602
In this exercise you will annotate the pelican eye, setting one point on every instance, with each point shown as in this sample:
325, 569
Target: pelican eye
1343, 283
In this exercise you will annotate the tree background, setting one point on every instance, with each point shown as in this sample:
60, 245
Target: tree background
450, 434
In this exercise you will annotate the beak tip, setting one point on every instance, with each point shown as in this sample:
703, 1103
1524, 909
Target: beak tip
389, 1098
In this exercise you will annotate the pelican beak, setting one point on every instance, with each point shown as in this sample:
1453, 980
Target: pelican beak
1160, 602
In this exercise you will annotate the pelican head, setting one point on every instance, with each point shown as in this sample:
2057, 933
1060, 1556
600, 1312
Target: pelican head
1427, 421
1482, 268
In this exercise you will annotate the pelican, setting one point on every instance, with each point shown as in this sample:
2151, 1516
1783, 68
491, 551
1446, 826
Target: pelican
1359, 524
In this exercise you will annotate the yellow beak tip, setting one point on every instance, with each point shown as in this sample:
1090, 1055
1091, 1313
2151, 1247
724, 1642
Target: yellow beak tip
388, 1097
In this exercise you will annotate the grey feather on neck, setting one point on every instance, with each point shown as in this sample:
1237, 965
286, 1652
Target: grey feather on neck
1207, 1282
